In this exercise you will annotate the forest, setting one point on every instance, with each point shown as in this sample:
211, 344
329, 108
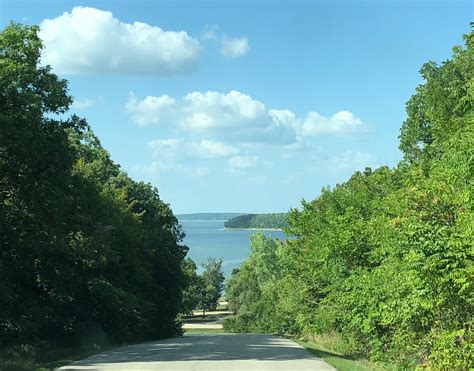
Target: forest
258, 221
383, 263
88, 255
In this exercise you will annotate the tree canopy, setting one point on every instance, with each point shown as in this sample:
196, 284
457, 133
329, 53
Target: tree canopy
384, 261
86, 252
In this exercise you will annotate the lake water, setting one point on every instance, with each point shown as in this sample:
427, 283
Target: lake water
208, 238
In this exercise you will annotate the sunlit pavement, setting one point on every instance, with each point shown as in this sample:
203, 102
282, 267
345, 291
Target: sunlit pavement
207, 352
212, 321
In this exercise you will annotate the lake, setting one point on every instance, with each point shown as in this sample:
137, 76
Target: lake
208, 238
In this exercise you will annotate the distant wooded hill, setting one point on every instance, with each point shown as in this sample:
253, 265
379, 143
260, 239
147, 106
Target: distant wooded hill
272, 221
208, 216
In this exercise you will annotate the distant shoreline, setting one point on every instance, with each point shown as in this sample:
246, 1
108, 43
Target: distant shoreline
202, 220
253, 229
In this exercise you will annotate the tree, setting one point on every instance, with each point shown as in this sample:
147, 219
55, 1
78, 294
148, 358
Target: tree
212, 284
86, 252
192, 293
26, 89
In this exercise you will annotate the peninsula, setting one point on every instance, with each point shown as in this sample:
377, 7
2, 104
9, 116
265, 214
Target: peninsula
272, 221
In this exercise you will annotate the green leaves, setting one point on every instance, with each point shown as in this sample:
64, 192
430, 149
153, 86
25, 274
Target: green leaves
212, 284
386, 259
82, 246
25, 87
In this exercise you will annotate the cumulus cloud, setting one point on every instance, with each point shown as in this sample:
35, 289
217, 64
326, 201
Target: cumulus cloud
235, 116
89, 40
343, 122
221, 116
211, 149
148, 110
234, 47
212, 109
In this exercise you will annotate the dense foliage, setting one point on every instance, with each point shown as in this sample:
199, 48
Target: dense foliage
384, 261
86, 253
212, 284
203, 291
258, 221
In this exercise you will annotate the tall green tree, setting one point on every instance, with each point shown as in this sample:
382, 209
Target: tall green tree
86, 253
212, 284
192, 293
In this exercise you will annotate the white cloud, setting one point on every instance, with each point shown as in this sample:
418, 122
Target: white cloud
236, 116
232, 116
178, 147
243, 162
148, 110
213, 109
89, 40
342, 122
234, 47
231, 47
211, 149
83, 104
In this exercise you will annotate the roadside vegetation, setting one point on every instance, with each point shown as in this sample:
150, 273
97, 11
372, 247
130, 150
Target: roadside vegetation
383, 261
202, 291
324, 350
89, 257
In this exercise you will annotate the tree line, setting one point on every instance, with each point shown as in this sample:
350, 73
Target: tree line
87, 255
271, 221
384, 261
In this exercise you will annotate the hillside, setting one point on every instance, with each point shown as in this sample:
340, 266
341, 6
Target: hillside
258, 221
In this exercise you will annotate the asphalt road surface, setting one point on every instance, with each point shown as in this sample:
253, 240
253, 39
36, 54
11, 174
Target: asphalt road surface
229, 352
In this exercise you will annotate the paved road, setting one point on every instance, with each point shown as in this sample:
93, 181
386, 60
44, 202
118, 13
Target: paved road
214, 320
229, 352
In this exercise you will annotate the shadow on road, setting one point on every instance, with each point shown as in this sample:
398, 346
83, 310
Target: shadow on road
205, 347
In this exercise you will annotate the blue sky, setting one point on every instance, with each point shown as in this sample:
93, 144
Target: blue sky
244, 106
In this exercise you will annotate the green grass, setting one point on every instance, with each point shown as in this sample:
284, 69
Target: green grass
198, 319
340, 361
